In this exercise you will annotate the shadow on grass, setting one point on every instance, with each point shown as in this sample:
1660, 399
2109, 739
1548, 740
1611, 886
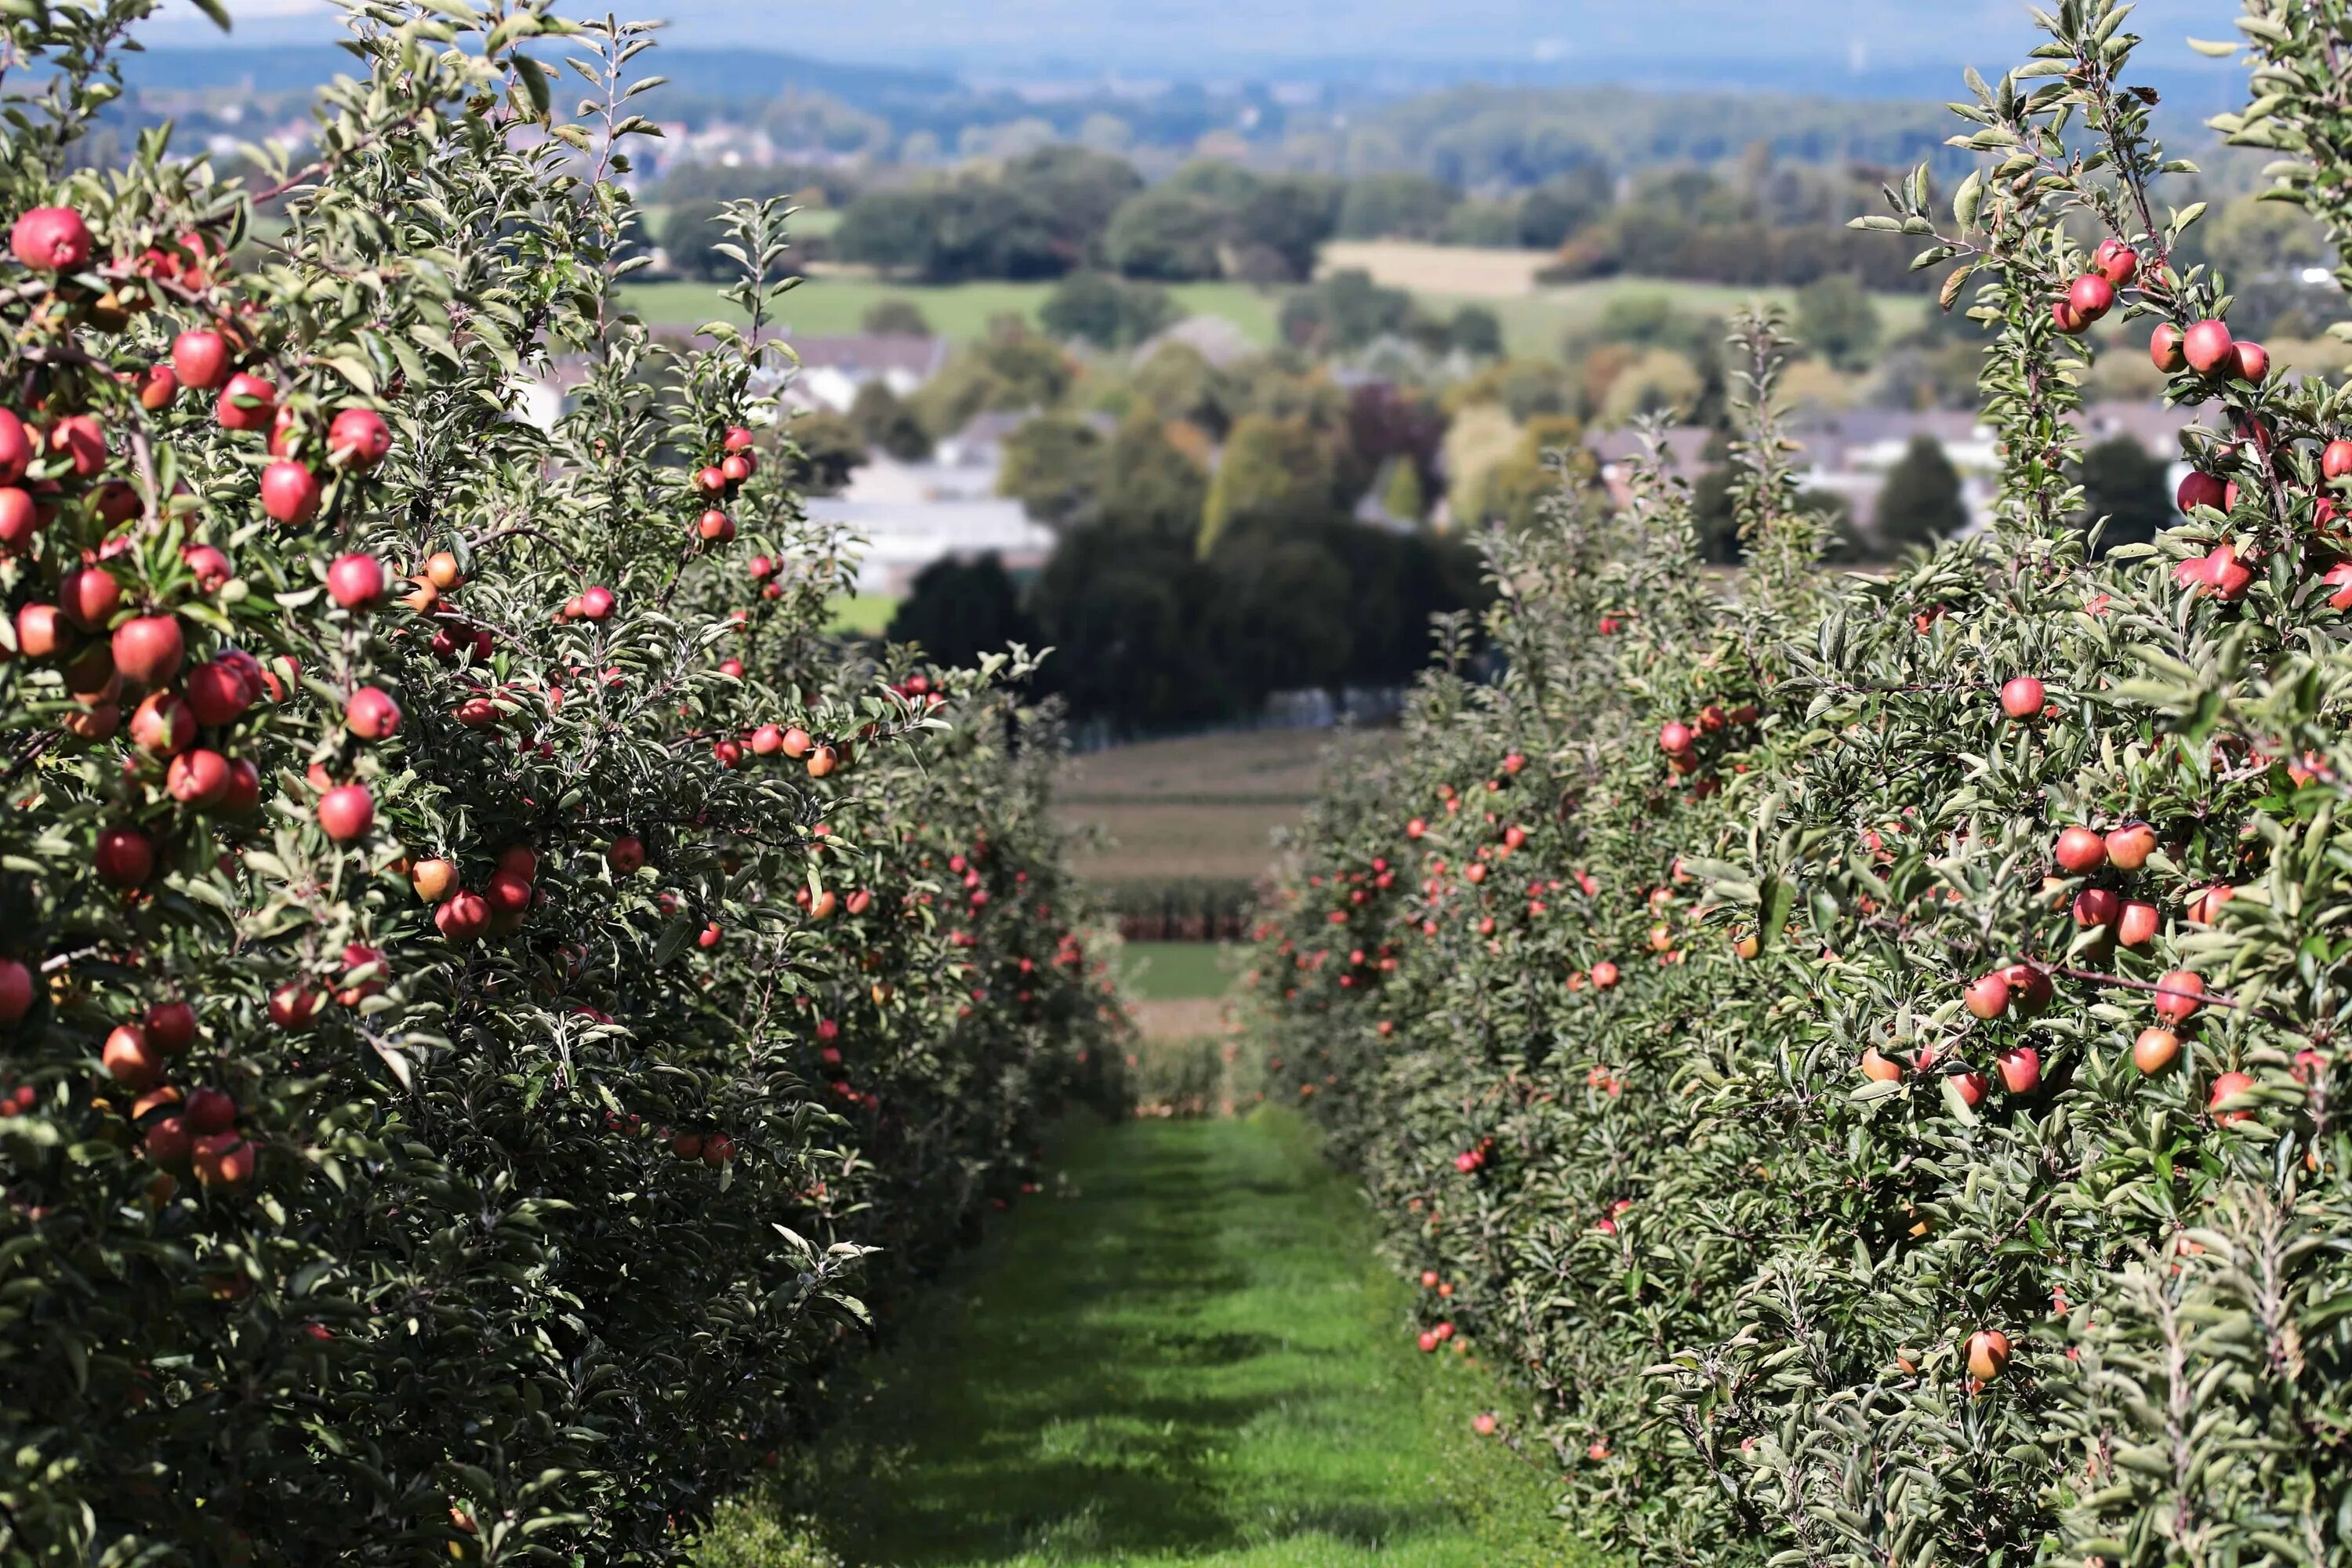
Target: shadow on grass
1175, 1356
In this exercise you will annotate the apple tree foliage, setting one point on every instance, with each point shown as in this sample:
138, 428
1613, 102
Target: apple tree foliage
485, 984
1851, 1170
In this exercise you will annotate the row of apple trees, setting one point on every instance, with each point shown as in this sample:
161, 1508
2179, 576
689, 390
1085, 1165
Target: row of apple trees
485, 985
1866, 1054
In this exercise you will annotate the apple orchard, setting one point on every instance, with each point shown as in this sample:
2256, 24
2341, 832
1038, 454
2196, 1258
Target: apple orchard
1865, 1053
480, 970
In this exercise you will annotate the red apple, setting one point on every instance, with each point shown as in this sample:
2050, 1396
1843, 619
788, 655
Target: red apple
2227, 1087
2097, 907
1674, 737
2020, 1069
131, 1059
20, 519
163, 726
50, 239
346, 811
2022, 697
1878, 1068
1989, 1353
2226, 575
2198, 489
372, 714
2129, 846
2335, 459
463, 916
89, 596
2092, 296
355, 582
357, 439
2066, 318
2208, 348
2179, 994
2138, 925
2030, 990
211, 1110
290, 492
508, 893
169, 1142
2117, 261
16, 447
596, 604
627, 855
198, 778
42, 631
148, 649
223, 1160
247, 402
200, 359
1604, 975
211, 567
2252, 361
219, 692
2081, 851
15, 991
244, 795
172, 1027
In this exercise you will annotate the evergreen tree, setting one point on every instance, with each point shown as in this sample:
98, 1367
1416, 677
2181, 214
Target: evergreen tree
1921, 502
2124, 484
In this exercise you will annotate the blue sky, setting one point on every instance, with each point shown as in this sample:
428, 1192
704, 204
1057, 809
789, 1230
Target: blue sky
1189, 36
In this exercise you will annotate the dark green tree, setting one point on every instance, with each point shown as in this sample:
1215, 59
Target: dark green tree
897, 316
882, 420
1564, 207
1168, 236
1343, 311
1921, 502
826, 447
1476, 331
1837, 321
2122, 483
1106, 310
1395, 206
960, 610
1054, 466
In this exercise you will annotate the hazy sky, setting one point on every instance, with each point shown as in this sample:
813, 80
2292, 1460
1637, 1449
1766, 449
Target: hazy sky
1139, 35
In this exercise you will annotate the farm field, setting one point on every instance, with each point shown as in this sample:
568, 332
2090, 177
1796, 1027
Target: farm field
1443, 276
1203, 807
1181, 1353
866, 615
827, 305
1175, 970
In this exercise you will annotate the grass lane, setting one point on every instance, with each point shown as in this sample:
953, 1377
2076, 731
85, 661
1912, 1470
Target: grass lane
1184, 1353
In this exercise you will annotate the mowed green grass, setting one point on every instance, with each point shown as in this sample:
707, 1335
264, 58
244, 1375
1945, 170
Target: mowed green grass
825, 306
1175, 970
1534, 324
865, 614
1183, 1354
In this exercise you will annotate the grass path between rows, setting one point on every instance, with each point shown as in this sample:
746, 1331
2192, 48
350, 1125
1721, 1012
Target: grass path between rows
1185, 1352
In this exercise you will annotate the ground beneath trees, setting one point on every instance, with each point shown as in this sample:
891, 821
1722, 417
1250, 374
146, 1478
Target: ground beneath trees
1183, 1353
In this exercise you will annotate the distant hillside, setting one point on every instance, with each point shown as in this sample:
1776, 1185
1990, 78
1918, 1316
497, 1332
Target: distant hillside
738, 75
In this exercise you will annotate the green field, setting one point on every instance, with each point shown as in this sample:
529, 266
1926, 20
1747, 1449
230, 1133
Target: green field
866, 615
1181, 1353
825, 306
1532, 323
1174, 971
